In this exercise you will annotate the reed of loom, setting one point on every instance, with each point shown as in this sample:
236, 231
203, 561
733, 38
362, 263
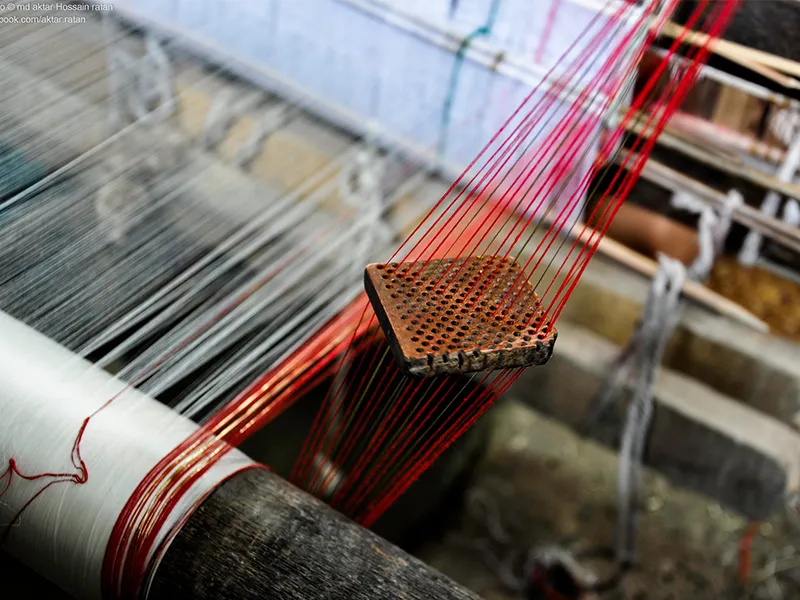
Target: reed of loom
244, 533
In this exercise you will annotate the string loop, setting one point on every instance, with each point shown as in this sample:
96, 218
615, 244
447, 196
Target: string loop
140, 89
273, 119
712, 229
360, 186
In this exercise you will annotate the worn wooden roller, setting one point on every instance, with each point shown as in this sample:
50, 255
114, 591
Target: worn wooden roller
257, 537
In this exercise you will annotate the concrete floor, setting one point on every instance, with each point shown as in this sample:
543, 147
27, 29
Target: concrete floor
544, 485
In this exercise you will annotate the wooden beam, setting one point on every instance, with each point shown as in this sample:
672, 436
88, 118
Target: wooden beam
648, 268
733, 51
258, 537
724, 164
751, 217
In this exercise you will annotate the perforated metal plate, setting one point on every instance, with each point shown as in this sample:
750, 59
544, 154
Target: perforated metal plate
459, 315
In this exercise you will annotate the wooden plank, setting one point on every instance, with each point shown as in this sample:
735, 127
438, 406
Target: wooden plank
732, 50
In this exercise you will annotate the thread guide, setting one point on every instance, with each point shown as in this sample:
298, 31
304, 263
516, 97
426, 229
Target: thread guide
460, 315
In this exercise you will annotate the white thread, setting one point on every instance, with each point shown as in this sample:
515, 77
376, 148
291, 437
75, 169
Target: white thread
130, 165
306, 55
784, 124
712, 229
700, 269
640, 360
751, 248
791, 213
733, 200
229, 104
115, 202
45, 394
661, 316
360, 187
272, 120
705, 229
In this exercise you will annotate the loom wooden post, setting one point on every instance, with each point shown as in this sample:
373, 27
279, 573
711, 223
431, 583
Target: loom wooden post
259, 537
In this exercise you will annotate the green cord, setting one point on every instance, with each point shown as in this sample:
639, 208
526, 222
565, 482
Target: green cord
482, 31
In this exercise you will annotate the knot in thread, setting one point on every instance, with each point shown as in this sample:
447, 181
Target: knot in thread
712, 228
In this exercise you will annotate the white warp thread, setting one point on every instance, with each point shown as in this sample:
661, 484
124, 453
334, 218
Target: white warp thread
712, 228
140, 88
360, 186
784, 124
748, 255
46, 392
791, 213
660, 318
